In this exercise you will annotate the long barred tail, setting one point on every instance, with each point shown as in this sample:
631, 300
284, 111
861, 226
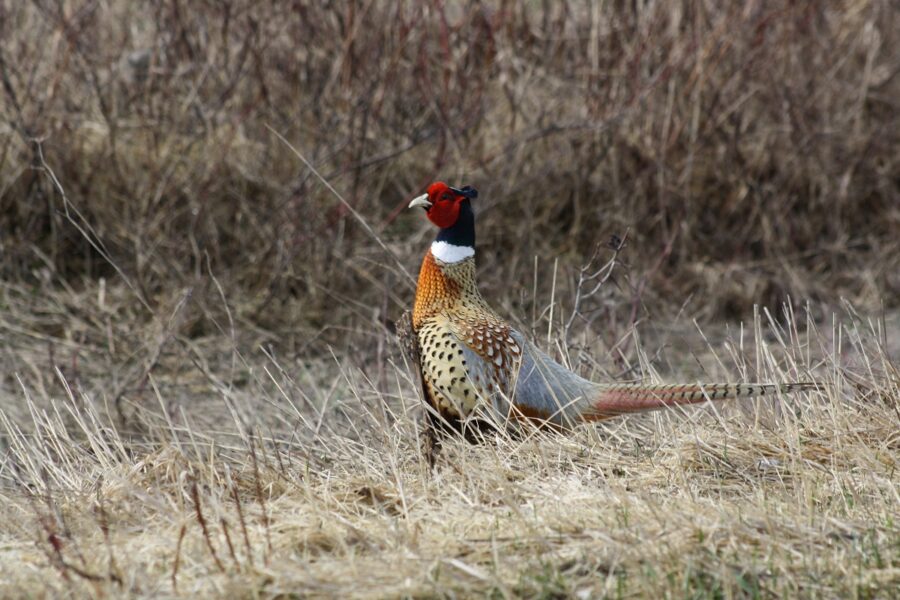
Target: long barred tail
615, 400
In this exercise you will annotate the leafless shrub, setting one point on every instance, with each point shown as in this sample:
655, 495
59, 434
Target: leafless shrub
750, 149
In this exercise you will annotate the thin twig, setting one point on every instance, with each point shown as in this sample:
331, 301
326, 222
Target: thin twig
347, 205
177, 563
604, 273
195, 496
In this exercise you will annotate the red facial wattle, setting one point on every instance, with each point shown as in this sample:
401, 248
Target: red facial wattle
444, 209
445, 206
444, 212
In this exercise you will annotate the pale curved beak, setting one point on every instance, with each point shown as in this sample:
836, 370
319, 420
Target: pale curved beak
420, 201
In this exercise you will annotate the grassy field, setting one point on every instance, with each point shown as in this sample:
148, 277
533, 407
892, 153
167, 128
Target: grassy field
256, 475
201, 390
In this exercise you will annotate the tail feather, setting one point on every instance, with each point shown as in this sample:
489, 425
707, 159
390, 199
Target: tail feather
615, 400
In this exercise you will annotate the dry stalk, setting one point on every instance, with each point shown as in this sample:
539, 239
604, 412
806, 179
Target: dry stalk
198, 511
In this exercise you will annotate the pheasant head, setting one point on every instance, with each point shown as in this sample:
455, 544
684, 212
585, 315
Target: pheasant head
451, 210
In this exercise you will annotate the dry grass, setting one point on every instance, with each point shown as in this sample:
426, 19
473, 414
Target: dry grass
201, 393
229, 470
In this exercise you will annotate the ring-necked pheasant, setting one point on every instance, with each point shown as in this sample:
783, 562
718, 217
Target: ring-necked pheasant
469, 357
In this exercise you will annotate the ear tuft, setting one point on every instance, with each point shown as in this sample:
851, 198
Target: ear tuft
467, 191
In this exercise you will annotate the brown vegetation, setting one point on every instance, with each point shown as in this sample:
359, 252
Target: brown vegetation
200, 389
751, 151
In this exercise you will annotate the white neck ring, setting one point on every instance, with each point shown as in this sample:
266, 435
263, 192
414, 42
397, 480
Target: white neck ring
448, 253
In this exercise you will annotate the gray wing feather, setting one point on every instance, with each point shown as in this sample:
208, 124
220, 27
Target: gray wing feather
545, 386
